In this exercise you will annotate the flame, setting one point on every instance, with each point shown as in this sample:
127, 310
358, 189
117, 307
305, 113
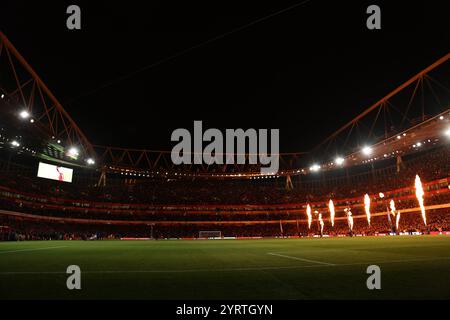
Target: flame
308, 213
392, 206
367, 207
419, 194
394, 213
349, 219
397, 220
321, 223
332, 212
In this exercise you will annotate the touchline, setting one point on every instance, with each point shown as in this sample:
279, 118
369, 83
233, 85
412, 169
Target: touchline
190, 150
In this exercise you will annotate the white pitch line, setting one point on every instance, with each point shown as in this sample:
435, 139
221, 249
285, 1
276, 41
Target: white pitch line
228, 269
301, 259
36, 249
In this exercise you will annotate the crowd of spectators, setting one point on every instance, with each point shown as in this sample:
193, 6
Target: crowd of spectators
239, 208
409, 223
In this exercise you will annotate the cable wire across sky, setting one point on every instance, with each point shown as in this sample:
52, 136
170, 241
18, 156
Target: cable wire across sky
187, 50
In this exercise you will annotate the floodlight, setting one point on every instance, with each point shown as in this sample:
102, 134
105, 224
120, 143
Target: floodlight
367, 151
339, 161
24, 114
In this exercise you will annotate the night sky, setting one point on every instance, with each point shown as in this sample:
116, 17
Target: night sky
306, 71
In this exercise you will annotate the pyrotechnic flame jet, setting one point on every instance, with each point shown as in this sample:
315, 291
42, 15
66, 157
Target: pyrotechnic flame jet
381, 194
392, 206
397, 220
349, 219
309, 214
321, 223
332, 212
367, 207
419, 194
395, 214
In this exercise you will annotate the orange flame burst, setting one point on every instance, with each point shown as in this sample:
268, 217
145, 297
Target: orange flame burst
394, 213
397, 220
332, 211
392, 206
309, 214
349, 219
321, 223
419, 194
367, 207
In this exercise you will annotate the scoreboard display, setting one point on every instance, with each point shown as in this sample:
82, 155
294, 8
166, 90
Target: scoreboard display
52, 172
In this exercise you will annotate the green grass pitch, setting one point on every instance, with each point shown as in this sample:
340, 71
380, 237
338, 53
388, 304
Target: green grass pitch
416, 267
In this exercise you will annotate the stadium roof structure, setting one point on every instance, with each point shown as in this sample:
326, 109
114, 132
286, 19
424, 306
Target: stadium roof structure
23, 92
414, 113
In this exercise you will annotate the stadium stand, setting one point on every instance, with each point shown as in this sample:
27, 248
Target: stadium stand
161, 208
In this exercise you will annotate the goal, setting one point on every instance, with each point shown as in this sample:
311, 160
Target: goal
210, 234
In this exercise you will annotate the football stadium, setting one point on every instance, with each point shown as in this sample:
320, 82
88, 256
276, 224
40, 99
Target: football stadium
136, 225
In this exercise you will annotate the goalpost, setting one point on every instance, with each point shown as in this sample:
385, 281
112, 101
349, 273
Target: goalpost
210, 234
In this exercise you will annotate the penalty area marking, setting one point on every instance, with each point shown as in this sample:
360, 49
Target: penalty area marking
35, 249
301, 259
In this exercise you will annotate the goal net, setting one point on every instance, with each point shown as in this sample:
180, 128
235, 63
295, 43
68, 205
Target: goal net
210, 234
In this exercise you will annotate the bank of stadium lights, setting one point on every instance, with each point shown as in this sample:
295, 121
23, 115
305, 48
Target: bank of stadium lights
24, 114
339, 161
447, 133
367, 150
73, 152
314, 168
15, 143
2, 96
90, 161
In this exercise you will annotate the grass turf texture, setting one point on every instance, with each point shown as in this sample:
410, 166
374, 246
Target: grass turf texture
334, 268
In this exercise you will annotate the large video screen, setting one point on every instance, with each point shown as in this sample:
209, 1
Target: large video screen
49, 171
